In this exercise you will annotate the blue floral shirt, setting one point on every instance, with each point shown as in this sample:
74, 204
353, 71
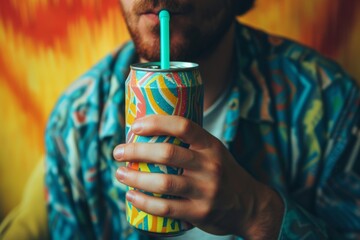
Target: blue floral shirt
293, 122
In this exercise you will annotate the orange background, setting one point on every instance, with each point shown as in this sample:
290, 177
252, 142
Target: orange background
46, 44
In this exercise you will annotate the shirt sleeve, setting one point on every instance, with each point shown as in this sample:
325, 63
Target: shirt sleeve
336, 209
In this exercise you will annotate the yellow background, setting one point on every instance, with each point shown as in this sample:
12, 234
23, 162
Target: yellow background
46, 44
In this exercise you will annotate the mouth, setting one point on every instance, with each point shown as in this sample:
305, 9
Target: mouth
151, 7
157, 11
152, 15
149, 11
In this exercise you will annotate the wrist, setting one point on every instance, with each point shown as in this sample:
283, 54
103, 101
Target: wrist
267, 213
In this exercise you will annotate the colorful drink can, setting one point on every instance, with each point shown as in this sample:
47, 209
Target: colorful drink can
151, 90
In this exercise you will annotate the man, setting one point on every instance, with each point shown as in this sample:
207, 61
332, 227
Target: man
278, 158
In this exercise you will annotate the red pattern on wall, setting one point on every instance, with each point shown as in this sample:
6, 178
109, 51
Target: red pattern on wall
46, 44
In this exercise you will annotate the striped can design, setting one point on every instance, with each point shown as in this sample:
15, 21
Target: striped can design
151, 90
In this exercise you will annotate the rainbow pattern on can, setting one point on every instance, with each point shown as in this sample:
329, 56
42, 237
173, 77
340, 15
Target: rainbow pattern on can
152, 91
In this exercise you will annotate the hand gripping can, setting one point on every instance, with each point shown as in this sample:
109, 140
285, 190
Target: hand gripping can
151, 90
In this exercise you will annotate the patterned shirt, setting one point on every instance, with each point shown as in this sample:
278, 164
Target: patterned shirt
292, 122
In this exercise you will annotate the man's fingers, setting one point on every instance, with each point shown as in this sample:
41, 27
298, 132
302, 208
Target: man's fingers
186, 130
158, 153
168, 184
172, 208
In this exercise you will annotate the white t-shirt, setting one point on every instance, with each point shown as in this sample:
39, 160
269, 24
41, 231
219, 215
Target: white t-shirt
214, 121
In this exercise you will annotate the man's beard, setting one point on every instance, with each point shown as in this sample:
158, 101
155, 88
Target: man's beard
187, 50
196, 43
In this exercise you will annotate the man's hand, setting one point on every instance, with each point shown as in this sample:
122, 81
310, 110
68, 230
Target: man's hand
217, 194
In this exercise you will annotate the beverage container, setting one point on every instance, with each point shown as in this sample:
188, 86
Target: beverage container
177, 90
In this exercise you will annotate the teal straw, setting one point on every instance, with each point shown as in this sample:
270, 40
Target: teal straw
164, 39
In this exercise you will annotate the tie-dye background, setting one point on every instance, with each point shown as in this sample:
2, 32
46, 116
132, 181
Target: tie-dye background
46, 44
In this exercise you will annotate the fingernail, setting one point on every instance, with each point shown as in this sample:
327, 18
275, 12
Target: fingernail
130, 196
121, 174
136, 127
119, 152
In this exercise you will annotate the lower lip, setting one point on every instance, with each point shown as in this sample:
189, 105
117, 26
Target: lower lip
151, 17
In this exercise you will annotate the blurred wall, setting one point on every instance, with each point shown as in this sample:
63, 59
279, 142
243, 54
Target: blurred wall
46, 44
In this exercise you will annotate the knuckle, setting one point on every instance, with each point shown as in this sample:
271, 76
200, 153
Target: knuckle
212, 190
192, 156
167, 185
185, 126
167, 211
195, 161
204, 212
216, 168
169, 152
152, 121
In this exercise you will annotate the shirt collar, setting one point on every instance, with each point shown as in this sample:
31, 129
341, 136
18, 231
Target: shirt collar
249, 98
112, 117
252, 75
